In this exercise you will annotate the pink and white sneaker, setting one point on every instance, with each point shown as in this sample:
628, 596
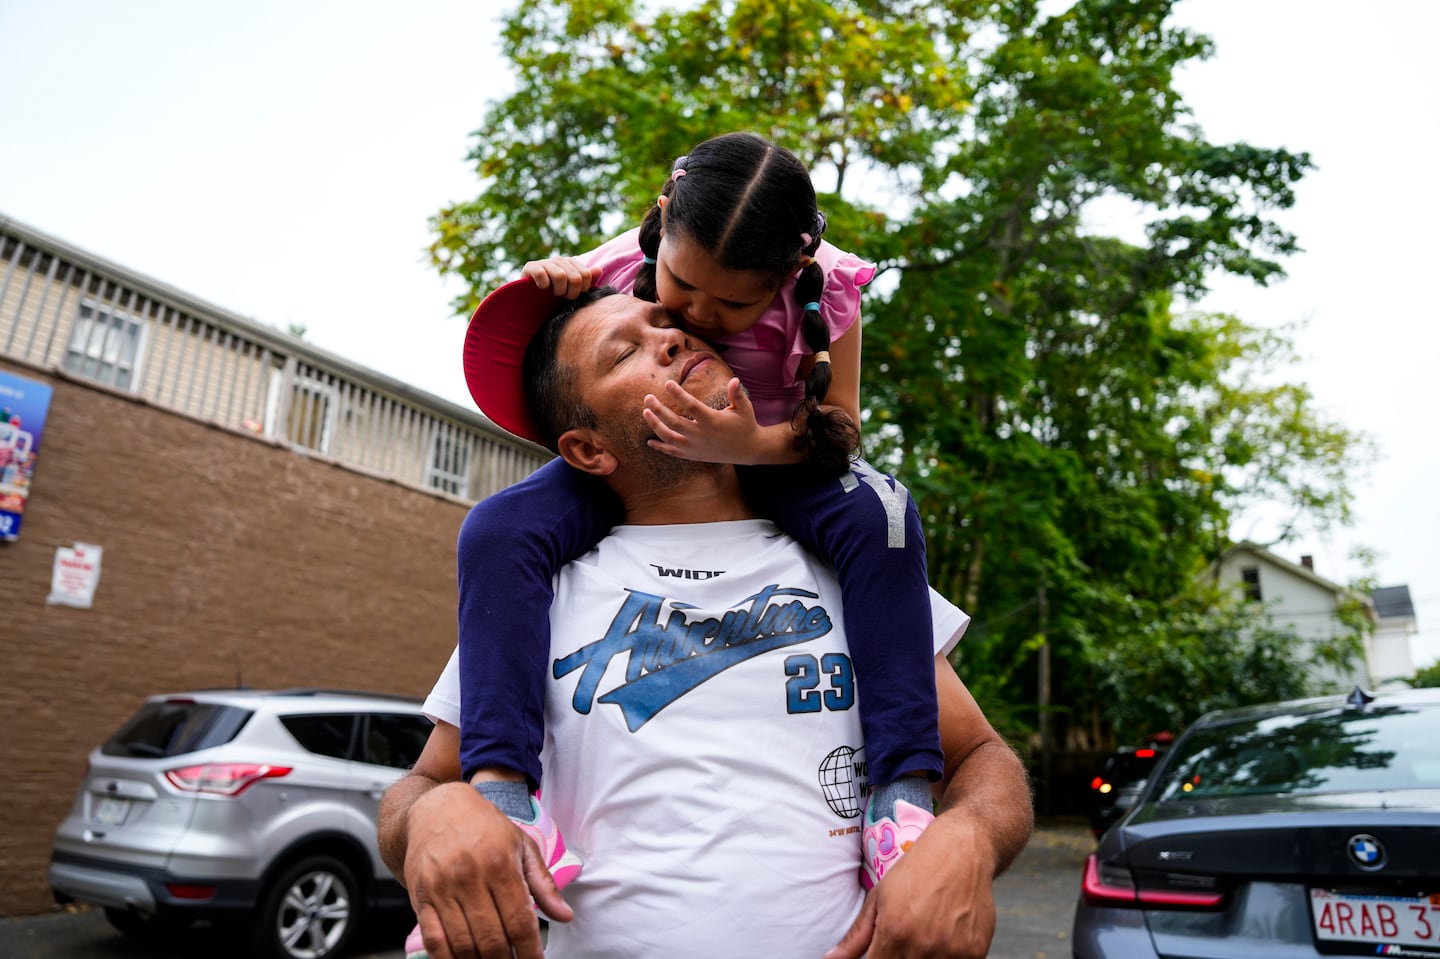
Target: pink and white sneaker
415, 945
563, 863
884, 842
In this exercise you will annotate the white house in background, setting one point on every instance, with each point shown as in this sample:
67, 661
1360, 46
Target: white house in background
1301, 601
1394, 625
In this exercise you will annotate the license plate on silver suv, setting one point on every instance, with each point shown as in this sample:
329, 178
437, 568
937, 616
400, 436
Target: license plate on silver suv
111, 812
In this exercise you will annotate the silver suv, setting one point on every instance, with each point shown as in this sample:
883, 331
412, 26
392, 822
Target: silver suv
242, 806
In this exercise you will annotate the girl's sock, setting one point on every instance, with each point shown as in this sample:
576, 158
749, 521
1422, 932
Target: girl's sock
512, 797
913, 789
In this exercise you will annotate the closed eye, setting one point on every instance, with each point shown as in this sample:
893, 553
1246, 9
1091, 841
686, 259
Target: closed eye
732, 304
620, 350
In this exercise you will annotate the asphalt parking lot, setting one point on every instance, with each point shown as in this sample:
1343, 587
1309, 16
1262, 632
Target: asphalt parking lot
1035, 902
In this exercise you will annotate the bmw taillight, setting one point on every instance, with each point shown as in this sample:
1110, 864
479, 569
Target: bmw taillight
223, 779
1115, 887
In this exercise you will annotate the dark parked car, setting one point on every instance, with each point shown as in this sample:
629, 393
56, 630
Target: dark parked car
1308, 828
244, 807
1121, 779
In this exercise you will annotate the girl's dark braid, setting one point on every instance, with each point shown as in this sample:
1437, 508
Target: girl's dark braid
829, 439
751, 205
644, 287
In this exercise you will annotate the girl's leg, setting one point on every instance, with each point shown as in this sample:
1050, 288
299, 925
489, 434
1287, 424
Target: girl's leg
510, 547
867, 527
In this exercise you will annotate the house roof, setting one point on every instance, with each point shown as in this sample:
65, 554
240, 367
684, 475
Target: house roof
271, 338
1393, 602
1303, 572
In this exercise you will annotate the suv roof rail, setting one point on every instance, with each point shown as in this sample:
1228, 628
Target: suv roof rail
363, 693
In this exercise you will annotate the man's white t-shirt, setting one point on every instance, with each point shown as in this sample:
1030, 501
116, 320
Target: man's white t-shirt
703, 752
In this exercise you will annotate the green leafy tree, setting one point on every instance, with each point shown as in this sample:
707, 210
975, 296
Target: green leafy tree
606, 101
1221, 650
1428, 676
1077, 441
1068, 432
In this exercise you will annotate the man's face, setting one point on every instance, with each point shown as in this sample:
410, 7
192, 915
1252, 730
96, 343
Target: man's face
622, 349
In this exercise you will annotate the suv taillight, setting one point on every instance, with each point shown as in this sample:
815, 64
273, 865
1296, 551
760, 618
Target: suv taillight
1115, 888
224, 779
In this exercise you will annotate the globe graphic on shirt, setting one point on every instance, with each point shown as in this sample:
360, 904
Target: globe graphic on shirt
843, 780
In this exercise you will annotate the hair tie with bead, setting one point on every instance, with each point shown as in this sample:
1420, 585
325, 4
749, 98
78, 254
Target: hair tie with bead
647, 260
677, 169
822, 357
810, 240
812, 305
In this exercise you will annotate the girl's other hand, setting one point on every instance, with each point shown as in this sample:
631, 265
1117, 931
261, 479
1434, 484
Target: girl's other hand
563, 275
686, 428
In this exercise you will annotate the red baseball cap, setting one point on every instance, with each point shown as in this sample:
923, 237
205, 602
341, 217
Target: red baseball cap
494, 352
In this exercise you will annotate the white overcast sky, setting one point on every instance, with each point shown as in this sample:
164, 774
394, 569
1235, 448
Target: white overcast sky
280, 158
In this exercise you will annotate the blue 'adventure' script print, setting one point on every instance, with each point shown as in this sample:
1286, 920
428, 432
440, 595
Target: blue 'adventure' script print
669, 659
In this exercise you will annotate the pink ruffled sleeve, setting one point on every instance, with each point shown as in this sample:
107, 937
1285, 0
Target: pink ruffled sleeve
619, 260
845, 275
767, 357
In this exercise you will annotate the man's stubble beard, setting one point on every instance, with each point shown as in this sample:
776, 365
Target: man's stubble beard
661, 469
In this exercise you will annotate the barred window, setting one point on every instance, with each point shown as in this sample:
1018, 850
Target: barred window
311, 420
449, 464
105, 346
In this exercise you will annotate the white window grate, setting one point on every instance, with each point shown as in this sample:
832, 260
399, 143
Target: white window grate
449, 469
105, 346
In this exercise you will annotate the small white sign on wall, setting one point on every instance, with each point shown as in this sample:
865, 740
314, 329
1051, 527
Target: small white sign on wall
77, 573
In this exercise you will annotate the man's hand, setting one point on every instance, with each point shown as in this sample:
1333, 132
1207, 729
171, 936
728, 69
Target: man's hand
937, 901
562, 275
471, 873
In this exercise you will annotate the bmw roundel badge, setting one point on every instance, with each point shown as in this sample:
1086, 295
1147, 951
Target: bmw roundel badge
1366, 852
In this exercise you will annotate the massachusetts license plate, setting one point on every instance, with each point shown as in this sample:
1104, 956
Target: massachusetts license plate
112, 812
1376, 922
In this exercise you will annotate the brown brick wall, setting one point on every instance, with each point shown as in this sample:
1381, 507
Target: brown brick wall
221, 552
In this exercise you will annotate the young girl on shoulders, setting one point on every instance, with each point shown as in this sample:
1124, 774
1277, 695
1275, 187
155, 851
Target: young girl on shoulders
734, 249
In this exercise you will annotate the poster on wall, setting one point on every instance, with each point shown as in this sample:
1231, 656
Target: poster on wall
76, 574
23, 405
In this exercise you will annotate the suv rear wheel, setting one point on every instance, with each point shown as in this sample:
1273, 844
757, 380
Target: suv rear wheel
310, 912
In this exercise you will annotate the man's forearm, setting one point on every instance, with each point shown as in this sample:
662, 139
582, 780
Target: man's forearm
989, 787
392, 821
